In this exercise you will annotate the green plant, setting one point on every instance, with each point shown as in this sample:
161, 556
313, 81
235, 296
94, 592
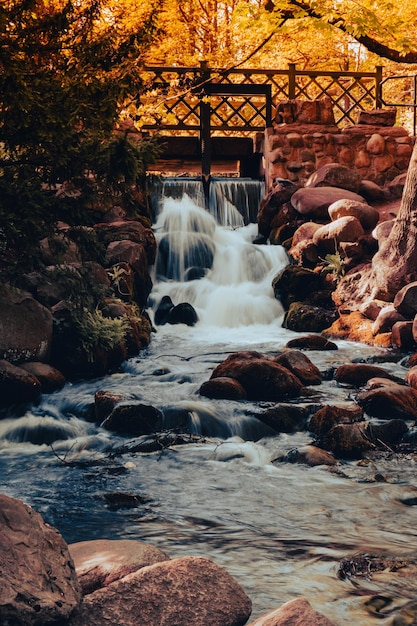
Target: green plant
99, 332
334, 264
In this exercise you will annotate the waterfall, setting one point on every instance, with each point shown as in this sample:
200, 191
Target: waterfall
231, 197
216, 268
233, 202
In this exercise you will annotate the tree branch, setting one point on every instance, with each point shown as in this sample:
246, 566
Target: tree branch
369, 43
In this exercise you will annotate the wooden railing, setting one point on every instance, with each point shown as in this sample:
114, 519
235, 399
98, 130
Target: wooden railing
175, 102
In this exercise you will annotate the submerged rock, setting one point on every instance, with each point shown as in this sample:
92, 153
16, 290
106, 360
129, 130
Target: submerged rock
133, 419
100, 562
298, 612
312, 342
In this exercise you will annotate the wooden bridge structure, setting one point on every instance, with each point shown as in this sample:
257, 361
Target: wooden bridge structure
205, 116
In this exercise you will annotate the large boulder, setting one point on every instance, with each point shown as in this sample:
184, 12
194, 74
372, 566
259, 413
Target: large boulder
38, 583
297, 284
133, 419
49, 377
300, 365
25, 327
335, 175
390, 400
314, 202
261, 377
17, 386
223, 388
357, 374
367, 215
271, 205
120, 253
188, 590
405, 301
330, 415
346, 441
128, 229
298, 612
302, 317
100, 562
283, 417
328, 237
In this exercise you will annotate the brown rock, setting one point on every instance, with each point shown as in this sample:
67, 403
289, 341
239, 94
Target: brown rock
346, 441
357, 374
377, 117
188, 590
335, 175
104, 403
25, 327
314, 202
402, 335
376, 144
405, 301
296, 612
411, 377
223, 388
133, 419
302, 317
354, 326
49, 377
131, 230
38, 581
305, 232
312, 342
305, 253
372, 308
99, 563
283, 417
328, 416
17, 386
366, 214
300, 365
327, 237
260, 376
310, 455
382, 230
389, 401
386, 318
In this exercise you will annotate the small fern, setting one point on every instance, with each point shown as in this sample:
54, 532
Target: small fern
99, 332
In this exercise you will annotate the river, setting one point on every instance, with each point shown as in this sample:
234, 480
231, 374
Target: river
280, 529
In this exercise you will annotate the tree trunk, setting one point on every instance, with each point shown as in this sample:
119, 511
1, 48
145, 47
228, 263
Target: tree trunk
395, 263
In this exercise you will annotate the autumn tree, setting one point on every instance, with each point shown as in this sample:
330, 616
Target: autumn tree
68, 73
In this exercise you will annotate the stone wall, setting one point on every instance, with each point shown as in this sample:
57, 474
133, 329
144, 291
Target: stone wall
304, 137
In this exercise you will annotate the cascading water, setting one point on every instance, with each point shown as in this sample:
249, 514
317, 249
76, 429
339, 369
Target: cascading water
218, 270
280, 529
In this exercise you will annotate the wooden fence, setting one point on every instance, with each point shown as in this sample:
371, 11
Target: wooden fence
241, 101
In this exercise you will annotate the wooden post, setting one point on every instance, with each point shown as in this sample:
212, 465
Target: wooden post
378, 81
291, 81
205, 131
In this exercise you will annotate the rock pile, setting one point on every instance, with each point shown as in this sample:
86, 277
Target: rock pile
125, 583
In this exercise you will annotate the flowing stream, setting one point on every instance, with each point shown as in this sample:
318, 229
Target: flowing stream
280, 529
